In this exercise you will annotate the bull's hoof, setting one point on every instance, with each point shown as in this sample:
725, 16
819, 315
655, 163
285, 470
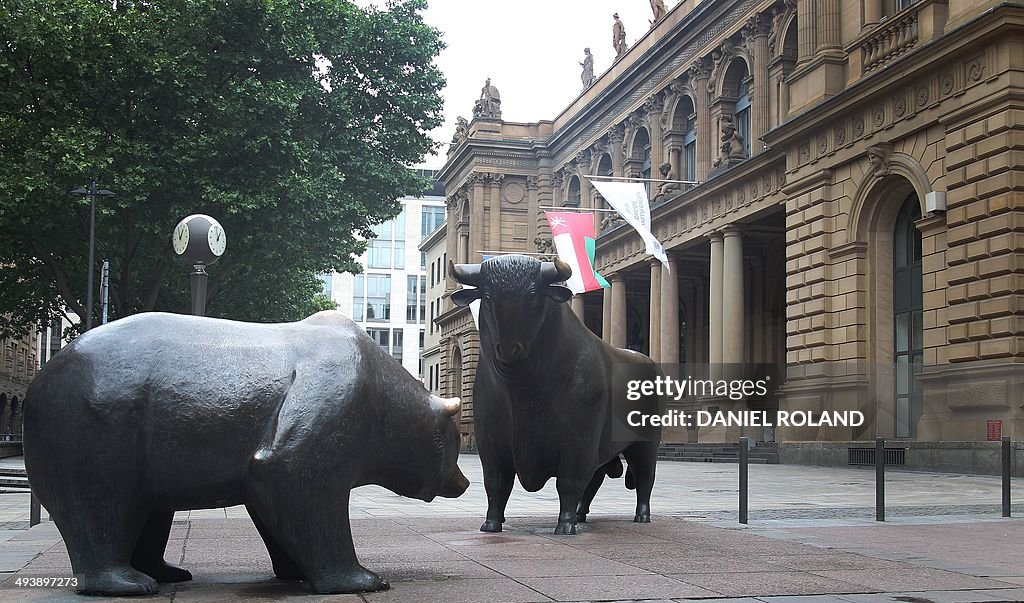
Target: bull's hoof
491, 526
165, 572
581, 517
565, 528
118, 582
642, 518
361, 580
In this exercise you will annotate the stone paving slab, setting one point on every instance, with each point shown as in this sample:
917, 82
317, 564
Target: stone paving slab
611, 558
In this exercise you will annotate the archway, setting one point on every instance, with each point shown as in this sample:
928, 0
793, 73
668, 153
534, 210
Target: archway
886, 223
736, 87
684, 119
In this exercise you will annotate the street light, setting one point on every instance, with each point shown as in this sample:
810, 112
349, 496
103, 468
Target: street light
92, 192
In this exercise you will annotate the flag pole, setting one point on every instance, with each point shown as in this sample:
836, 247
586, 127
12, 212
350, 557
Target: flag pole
572, 208
512, 252
629, 179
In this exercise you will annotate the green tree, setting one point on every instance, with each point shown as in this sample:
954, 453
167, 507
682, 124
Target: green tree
293, 122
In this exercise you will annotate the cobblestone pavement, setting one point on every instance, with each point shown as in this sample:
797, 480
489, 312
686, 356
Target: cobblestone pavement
811, 538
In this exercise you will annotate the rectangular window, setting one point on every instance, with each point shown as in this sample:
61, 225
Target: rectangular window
396, 344
423, 299
381, 336
378, 297
399, 254
433, 217
358, 298
410, 299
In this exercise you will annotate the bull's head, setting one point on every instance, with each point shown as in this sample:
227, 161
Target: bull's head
515, 292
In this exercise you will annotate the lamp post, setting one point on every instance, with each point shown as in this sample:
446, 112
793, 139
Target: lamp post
92, 192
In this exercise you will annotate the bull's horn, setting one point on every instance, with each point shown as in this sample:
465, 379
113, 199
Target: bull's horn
449, 406
467, 274
555, 272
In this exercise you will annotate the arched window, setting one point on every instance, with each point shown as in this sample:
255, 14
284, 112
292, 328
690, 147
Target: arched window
640, 155
742, 115
689, 171
572, 196
907, 308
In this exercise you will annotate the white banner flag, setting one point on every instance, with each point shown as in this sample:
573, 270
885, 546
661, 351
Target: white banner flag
630, 200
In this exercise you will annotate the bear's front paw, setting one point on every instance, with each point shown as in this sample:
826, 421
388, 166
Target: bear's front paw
359, 580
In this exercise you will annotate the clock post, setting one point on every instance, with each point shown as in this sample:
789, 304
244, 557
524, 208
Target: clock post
199, 240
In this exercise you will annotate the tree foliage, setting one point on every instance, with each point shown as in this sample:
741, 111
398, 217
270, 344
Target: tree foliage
293, 122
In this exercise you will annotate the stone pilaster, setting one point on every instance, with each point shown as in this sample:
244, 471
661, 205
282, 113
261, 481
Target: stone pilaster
618, 313
670, 313
655, 312
700, 73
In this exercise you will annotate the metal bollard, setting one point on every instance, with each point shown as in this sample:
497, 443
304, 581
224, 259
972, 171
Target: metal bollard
744, 449
1006, 476
879, 479
34, 510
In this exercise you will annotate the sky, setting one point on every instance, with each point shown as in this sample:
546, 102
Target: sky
531, 50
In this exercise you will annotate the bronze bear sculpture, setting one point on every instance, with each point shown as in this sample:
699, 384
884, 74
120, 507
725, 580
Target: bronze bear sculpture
157, 413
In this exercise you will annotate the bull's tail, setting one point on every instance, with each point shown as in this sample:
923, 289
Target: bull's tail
630, 480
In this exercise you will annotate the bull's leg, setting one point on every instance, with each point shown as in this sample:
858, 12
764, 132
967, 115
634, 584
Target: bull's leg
285, 567
588, 495
311, 525
642, 458
148, 556
498, 481
570, 492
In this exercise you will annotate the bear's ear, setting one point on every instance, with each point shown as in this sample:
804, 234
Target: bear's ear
464, 297
558, 293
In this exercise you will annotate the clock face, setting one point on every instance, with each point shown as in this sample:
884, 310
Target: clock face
217, 239
180, 238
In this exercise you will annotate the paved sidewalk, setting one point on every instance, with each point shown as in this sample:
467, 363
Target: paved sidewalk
810, 539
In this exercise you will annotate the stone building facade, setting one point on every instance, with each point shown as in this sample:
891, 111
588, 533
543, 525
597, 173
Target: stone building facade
19, 366
854, 230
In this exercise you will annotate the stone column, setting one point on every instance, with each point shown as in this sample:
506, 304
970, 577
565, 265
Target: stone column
463, 248
700, 73
476, 218
670, 313
872, 11
654, 106
715, 305
807, 32
615, 141
756, 31
618, 314
828, 25
606, 314
655, 316
493, 240
577, 306
733, 316
675, 158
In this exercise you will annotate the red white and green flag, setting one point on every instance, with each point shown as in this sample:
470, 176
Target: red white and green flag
573, 236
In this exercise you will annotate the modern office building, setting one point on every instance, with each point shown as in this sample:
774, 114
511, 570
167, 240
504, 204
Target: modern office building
388, 298
854, 230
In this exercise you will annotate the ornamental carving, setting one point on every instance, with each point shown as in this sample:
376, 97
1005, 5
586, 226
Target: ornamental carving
532, 183
878, 116
822, 145
922, 96
514, 192
700, 69
900, 106
840, 136
878, 157
858, 127
947, 84
976, 69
